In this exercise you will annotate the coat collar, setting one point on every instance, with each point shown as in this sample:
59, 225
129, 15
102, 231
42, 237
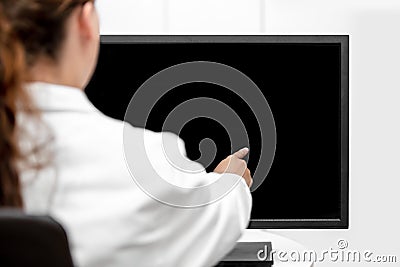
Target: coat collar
55, 97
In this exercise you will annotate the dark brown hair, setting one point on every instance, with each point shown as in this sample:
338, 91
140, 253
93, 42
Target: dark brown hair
28, 29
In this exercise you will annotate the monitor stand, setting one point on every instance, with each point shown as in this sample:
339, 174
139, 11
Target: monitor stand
249, 254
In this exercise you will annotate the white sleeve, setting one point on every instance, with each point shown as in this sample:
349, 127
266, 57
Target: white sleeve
199, 236
202, 236
215, 228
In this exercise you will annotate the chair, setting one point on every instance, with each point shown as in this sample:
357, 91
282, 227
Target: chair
27, 241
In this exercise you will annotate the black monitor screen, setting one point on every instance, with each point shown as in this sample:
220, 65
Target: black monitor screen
304, 80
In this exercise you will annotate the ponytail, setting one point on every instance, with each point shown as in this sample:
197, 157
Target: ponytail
28, 29
12, 69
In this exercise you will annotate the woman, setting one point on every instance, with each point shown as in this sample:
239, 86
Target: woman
61, 156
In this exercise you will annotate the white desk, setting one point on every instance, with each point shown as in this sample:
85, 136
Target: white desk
279, 243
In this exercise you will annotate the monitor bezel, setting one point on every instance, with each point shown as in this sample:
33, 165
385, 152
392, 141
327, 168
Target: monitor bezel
343, 40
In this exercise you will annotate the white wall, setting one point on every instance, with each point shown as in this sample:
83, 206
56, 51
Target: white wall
374, 28
179, 16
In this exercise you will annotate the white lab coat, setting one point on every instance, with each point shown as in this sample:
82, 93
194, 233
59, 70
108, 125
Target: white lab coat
109, 220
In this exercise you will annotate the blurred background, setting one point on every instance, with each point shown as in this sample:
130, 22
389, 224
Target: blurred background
374, 29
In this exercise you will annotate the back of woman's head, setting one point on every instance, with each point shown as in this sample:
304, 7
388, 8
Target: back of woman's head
40, 24
29, 29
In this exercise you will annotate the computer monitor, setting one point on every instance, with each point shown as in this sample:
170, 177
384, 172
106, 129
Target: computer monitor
293, 106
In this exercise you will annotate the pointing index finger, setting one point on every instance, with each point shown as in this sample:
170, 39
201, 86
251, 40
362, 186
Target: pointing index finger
241, 153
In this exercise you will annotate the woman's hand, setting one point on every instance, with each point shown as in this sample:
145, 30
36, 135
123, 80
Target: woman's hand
236, 165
